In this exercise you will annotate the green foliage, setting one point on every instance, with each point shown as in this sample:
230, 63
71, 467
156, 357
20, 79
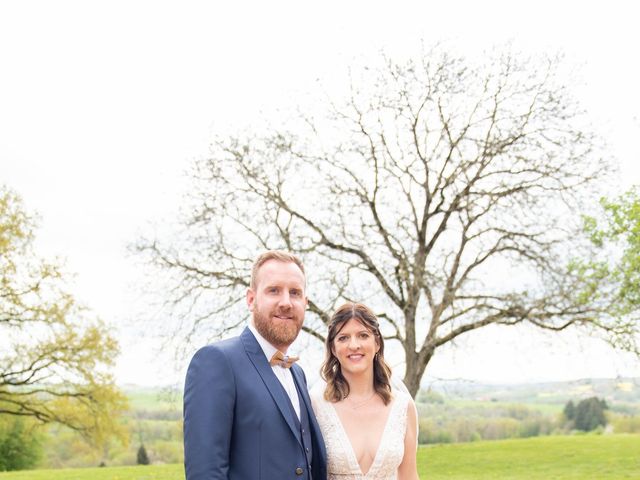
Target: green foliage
429, 396
142, 457
20, 445
154, 420
54, 357
625, 423
469, 411
623, 226
569, 410
612, 274
589, 414
458, 421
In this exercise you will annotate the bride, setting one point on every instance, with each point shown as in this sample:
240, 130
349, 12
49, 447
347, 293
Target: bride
370, 429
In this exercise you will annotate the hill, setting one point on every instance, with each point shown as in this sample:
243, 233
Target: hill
618, 390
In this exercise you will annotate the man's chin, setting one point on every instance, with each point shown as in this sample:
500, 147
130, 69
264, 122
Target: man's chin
287, 338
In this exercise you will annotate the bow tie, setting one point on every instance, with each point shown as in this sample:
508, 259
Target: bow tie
281, 360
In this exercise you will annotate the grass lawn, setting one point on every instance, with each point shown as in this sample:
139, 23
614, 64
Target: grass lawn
148, 472
597, 457
600, 457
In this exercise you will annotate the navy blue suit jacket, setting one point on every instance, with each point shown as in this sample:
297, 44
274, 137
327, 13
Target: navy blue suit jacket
237, 423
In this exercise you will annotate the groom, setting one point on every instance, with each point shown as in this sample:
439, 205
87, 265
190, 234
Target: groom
247, 413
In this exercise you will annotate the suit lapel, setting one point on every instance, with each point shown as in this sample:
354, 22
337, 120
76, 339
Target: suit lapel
302, 387
306, 403
277, 392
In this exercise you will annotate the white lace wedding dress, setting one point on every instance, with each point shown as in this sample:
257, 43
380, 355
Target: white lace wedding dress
341, 459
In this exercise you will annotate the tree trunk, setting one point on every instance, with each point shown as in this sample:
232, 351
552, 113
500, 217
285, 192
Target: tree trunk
415, 369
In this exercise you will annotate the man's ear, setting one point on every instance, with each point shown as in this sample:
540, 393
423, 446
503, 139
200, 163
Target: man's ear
251, 297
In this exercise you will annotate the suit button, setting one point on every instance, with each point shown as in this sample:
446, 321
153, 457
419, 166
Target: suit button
299, 471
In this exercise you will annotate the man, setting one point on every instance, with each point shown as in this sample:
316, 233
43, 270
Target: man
247, 413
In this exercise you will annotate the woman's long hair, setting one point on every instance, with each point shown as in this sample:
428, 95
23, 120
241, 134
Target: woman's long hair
337, 386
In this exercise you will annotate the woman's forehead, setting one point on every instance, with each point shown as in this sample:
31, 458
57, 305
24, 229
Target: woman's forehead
354, 323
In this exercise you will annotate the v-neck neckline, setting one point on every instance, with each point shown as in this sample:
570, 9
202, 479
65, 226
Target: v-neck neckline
351, 452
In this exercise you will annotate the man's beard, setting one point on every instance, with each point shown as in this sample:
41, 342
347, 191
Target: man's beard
276, 334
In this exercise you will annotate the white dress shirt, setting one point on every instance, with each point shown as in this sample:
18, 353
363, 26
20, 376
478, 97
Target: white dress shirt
281, 373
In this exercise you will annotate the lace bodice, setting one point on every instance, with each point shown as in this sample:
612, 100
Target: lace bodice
341, 459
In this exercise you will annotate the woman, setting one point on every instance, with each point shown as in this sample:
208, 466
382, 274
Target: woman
370, 429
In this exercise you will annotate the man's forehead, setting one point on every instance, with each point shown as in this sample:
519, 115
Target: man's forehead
275, 271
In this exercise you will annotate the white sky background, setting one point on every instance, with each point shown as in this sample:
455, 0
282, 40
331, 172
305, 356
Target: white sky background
103, 105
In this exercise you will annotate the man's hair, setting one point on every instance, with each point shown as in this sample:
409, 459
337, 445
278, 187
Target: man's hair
278, 255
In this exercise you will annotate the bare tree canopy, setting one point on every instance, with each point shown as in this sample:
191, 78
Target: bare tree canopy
442, 193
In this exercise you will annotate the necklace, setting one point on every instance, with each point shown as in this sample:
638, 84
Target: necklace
361, 403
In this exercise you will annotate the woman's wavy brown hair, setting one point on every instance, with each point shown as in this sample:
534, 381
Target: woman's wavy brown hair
337, 386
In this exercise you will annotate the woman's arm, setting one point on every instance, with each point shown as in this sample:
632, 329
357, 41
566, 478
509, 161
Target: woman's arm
408, 469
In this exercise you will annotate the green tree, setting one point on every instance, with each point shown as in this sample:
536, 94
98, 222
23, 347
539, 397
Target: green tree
142, 457
612, 275
569, 410
54, 357
20, 445
589, 414
441, 191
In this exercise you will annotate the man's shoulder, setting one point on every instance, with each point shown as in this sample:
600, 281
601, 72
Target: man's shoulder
224, 345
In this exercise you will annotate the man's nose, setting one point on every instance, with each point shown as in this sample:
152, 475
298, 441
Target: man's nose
285, 300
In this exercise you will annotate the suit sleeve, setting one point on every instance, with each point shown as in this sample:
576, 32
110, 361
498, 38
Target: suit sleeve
209, 398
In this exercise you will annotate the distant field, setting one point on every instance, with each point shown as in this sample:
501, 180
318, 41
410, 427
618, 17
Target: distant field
545, 408
597, 457
153, 398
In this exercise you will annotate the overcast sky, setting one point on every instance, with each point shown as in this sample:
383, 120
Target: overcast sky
103, 105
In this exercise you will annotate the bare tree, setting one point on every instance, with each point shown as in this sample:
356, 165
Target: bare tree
442, 193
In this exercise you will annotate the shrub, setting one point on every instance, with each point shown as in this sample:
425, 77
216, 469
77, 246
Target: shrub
142, 457
20, 446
